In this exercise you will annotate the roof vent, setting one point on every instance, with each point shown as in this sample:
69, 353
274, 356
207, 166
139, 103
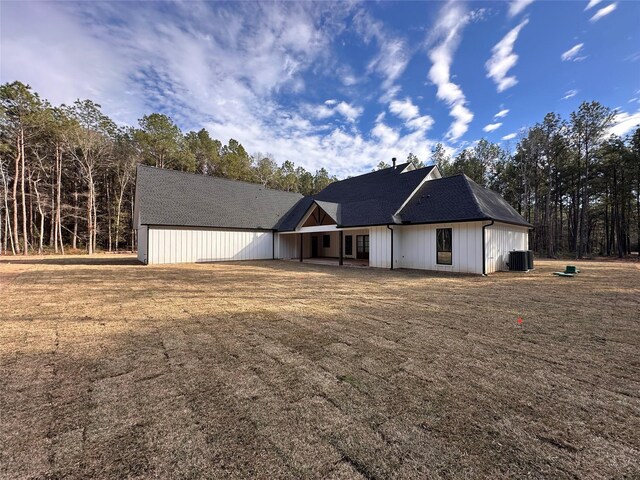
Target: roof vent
393, 160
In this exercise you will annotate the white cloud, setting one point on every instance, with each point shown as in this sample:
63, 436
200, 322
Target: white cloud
517, 6
572, 54
569, 94
393, 55
603, 12
239, 71
331, 107
491, 127
421, 123
504, 59
386, 134
321, 111
445, 39
349, 80
510, 136
410, 113
501, 113
624, 123
348, 111
47, 48
592, 3
404, 109
634, 57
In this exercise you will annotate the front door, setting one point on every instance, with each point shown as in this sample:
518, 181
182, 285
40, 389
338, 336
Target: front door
362, 247
348, 245
314, 247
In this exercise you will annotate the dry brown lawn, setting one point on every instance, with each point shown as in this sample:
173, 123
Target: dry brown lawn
110, 369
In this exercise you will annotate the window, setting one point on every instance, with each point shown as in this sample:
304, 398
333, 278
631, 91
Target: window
326, 241
443, 246
348, 245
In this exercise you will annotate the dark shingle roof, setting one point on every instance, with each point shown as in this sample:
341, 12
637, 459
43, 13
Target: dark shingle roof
290, 221
458, 198
168, 197
373, 198
369, 199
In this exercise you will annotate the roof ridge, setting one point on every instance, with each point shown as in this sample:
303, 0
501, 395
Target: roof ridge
397, 167
170, 170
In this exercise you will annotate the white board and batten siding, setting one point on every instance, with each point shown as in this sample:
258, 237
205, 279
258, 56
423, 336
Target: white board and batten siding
189, 245
287, 246
502, 238
415, 247
379, 247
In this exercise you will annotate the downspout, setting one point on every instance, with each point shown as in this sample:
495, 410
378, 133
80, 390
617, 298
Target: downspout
484, 242
389, 227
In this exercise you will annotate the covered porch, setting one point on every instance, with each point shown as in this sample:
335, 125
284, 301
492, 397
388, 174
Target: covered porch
317, 238
327, 246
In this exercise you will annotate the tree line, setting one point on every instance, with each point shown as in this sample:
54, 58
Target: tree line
67, 175
576, 184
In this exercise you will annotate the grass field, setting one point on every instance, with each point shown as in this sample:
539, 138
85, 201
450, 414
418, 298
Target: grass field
109, 369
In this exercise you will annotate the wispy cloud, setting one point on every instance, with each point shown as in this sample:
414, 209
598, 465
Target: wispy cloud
573, 54
332, 107
445, 39
634, 57
410, 113
387, 135
348, 111
569, 94
592, 3
501, 113
404, 109
504, 59
393, 55
238, 72
603, 12
510, 136
625, 122
491, 127
517, 6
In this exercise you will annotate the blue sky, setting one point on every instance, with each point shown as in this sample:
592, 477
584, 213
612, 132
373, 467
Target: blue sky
341, 86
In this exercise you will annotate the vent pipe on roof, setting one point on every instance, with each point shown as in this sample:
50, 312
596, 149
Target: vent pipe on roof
393, 160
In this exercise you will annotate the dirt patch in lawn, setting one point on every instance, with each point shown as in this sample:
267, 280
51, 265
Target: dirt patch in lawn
109, 369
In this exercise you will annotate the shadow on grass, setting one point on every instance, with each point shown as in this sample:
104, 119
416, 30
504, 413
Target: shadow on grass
113, 261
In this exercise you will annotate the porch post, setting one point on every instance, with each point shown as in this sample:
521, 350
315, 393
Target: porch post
301, 246
340, 261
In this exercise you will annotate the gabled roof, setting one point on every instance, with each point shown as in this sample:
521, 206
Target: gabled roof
185, 199
330, 208
458, 198
369, 199
389, 196
290, 220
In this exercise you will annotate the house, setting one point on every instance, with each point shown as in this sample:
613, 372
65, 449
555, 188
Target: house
398, 217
